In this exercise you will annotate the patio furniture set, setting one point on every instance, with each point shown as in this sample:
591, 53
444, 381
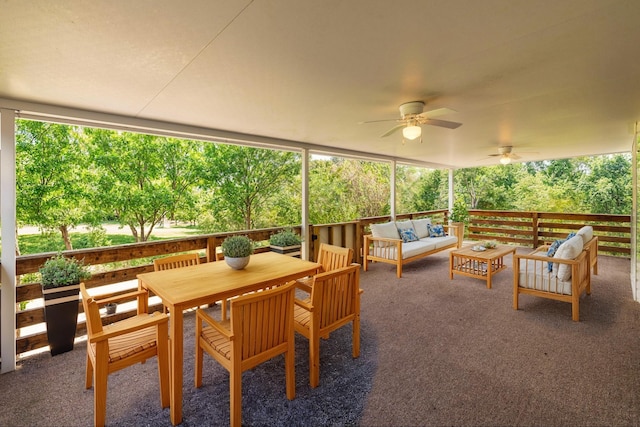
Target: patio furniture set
264, 314
561, 271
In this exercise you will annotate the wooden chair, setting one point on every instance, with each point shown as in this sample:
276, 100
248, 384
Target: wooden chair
176, 261
261, 327
121, 344
334, 302
331, 257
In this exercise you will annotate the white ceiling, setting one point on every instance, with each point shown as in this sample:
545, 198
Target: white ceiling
555, 78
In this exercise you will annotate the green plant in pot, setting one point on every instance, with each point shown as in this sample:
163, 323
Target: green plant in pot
61, 277
286, 242
459, 213
237, 251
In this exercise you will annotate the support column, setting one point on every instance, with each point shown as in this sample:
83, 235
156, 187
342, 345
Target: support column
8, 235
306, 242
392, 183
635, 262
451, 193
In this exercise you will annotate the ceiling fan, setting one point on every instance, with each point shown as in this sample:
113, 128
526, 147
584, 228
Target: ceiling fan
412, 115
506, 155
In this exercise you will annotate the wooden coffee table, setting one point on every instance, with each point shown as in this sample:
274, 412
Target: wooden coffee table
481, 265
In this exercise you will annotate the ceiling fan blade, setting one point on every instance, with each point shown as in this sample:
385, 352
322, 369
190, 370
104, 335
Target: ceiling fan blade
377, 121
392, 130
441, 123
514, 156
437, 112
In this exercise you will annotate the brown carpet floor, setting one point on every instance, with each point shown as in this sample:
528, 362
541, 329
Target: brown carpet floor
434, 352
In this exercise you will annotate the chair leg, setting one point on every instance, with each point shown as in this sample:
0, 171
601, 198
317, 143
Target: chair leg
314, 360
356, 337
235, 396
290, 371
88, 382
100, 393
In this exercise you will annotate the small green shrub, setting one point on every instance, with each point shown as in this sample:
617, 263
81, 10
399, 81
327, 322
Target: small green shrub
60, 271
460, 213
285, 238
237, 247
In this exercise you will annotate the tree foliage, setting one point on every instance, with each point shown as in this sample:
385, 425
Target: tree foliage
68, 175
244, 182
51, 177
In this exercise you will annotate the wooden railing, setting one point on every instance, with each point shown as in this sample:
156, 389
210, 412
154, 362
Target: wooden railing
115, 264
534, 229
106, 269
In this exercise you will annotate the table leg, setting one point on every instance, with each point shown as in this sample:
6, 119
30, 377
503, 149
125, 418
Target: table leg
489, 272
176, 323
451, 260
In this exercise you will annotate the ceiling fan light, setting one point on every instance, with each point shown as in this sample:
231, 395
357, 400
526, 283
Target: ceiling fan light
412, 132
505, 160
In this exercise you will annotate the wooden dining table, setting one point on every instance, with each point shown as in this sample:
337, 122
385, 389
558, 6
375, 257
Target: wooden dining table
202, 284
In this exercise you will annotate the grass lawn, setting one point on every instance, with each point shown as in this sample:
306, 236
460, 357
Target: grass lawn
110, 235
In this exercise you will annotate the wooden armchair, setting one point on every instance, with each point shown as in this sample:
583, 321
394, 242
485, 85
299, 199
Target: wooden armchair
261, 327
334, 302
121, 344
331, 257
532, 276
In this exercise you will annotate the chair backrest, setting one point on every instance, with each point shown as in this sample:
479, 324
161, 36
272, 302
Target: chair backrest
335, 296
91, 311
176, 261
333, 257
262, 323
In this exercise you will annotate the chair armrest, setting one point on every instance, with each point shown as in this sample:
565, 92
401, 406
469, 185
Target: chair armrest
214, 324
384, 239
304, 284
130, 325
120, 297
303, 304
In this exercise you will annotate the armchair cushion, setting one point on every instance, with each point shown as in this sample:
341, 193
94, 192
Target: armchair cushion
387, 230
421, 226
568, 250
586, 233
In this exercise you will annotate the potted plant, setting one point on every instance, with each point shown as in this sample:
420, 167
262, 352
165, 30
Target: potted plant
459, 215
286, 242
237, 251
61, 277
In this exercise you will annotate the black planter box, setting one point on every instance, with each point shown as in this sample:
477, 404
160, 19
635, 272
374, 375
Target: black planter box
293, 251
61, 314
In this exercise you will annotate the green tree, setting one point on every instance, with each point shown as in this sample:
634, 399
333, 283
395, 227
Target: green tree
344, 189
433, 191
244, 182
51, 177
606, 184
183, 167
131, 180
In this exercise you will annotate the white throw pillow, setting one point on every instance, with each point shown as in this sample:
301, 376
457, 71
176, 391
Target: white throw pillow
386, 230
587, 234
422, 227
568, 250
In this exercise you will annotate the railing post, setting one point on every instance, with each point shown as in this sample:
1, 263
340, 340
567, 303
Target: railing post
212, 244
534, 229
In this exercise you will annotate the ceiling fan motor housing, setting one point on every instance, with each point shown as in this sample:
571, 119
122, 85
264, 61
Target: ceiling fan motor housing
411, 108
